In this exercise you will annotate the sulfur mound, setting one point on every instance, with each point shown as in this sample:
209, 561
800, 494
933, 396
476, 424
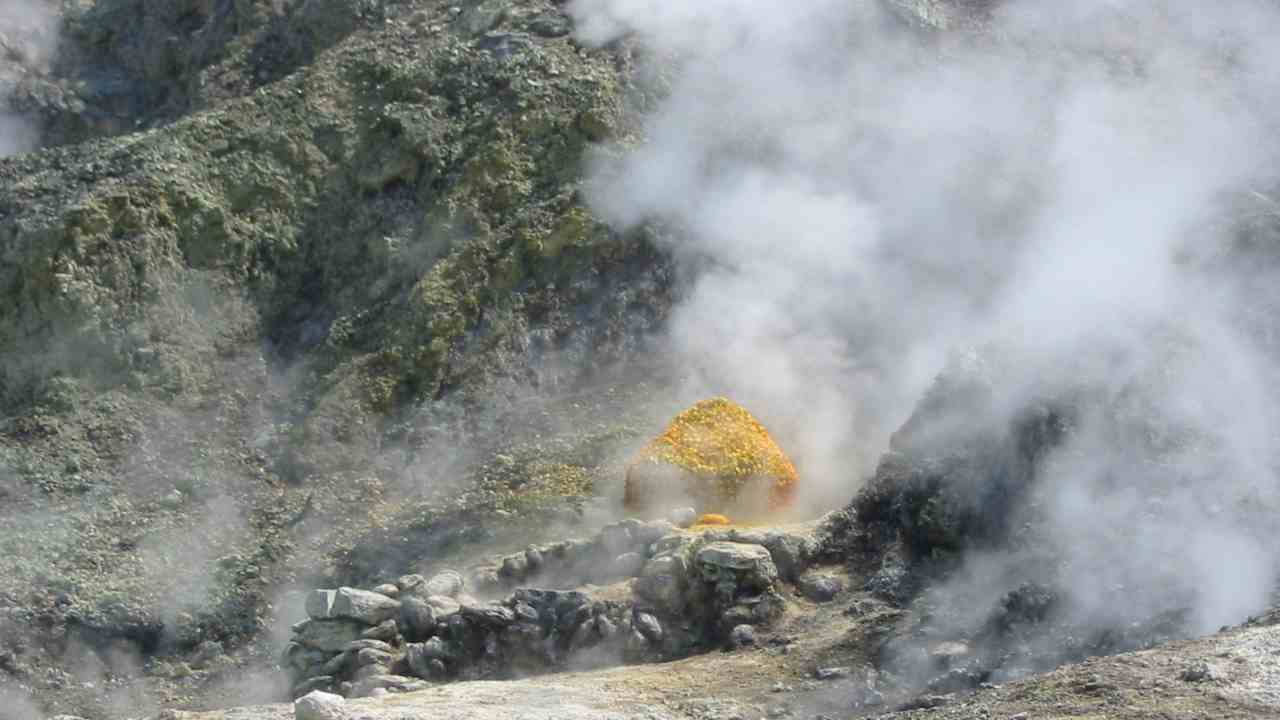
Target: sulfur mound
716, 457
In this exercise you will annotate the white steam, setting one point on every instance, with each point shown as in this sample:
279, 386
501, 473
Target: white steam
872, 199
28, 39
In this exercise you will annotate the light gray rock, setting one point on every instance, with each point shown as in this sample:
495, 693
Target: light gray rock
648, 626
370, 656
320, 604
447, 583
391, 590
742, 557
742, 636
683, 517
319, 705
329, 636
735, 568
370, 608
410, 583
819, 588
628, 564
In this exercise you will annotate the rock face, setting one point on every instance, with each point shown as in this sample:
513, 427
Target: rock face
715, 457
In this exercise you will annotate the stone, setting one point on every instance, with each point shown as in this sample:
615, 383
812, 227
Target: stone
447, 583
819, 588
514, 567
683, 517
1199, 671
494, 616
385, 630
338, 664
329, 635
605, 627
739, 557
742, 636
525, 612
368, 644
319, 604
628, 564
389, 589
370, 670
533, 559
831, 673
410, 583
790, 553
444, 606
426, 660
364, 606
310, 685
648, 626
370, 656
650, 532
319, 705
417, 617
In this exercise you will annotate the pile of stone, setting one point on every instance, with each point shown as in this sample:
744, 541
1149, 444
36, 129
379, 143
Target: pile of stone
689, 590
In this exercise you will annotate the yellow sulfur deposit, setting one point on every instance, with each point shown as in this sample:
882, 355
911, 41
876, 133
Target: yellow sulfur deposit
716, 457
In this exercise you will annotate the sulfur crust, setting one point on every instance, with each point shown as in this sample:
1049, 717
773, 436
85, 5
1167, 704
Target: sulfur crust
718, 442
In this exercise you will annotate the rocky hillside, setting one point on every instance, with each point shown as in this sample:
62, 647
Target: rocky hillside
298, 319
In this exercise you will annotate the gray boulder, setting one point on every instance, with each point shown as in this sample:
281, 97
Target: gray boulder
329, 636
448, 583
386, 630
370, 608
628, 564
819, 588
417, 618
320, 705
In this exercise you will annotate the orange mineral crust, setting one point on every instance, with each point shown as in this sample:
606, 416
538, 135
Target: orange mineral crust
716, 457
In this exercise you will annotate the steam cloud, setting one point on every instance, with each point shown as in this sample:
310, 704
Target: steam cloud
865, 200
28, 39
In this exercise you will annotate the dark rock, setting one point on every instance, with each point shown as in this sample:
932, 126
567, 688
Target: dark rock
370, 656
328, 635
363, 606
386, 630
368, 644
648, 626
417, 618
493, 616
819, 588
338, 664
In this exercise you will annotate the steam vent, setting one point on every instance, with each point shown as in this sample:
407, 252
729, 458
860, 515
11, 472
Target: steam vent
716, 458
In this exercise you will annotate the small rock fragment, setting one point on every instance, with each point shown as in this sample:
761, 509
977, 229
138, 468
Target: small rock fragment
742, 636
